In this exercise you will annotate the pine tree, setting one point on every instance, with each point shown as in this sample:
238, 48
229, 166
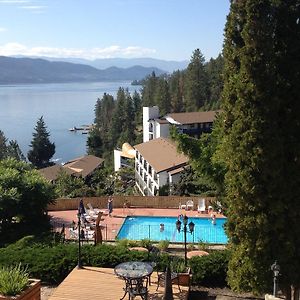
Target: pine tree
176, 91
261, 142
14, 151
196, 85
148, 90
41, 148
214, 69
162, 96
3, 146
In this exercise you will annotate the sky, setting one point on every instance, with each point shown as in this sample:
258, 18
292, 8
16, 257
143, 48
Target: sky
91, 29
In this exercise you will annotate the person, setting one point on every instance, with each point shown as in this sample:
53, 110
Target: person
213, 220
110, 206
81, 209
161, 227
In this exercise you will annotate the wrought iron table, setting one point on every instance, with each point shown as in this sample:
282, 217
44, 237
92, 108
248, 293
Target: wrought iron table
134, 274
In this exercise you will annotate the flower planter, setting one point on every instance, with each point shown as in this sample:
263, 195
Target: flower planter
32, 292
184, 278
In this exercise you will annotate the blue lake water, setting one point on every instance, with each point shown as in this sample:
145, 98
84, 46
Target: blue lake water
140, 227
62, 105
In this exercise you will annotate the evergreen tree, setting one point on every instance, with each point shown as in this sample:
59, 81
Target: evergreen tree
41, 148
137, 108
196, 85
214, 69
162, 96
261, 142
98, 140
148, 90
14, 151
176, 91
3, 146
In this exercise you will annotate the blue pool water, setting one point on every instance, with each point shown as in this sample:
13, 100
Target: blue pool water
139, 227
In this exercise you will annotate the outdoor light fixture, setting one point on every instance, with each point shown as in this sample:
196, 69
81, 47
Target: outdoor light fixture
191, 230
178, 225
276, 270
191, 227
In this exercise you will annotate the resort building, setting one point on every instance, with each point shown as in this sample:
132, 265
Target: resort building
191, 123
157, 164
83, 167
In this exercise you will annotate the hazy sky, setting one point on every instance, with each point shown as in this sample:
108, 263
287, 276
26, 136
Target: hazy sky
166, 29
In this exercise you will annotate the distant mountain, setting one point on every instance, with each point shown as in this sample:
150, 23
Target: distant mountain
104, 63
30, 70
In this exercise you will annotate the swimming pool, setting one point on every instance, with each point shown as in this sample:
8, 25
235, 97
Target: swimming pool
141, 227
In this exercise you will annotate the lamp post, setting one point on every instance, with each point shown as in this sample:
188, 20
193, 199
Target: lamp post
276, 269
79, 263
191, 230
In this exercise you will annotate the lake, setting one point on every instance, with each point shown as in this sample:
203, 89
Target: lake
63, 106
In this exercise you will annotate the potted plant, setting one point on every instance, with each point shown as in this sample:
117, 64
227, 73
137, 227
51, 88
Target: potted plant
163, 245
183, 272
16, 284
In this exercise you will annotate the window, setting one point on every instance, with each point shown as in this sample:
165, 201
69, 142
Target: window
150, 170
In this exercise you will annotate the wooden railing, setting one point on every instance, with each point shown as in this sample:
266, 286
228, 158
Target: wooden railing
132, 201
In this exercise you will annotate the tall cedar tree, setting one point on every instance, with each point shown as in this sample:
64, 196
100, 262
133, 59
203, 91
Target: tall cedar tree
196, 83
41, 148
261, 142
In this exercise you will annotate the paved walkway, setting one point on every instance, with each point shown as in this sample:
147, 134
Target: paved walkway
101, 283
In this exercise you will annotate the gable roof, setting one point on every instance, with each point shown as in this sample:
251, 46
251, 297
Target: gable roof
161, 154
84, 165
51, 173
81, 166
192, 117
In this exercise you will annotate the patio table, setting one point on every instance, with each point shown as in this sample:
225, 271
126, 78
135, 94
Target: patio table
133, 271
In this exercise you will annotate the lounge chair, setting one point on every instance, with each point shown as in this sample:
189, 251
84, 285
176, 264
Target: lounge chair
91, 209
201, 205
190, 204
182, 206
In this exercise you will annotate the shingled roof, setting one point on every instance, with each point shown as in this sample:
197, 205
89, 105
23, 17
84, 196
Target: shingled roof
192, 117
84, 165
81, 166
161, 154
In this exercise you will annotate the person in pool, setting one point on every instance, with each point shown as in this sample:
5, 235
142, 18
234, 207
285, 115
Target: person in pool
161, 227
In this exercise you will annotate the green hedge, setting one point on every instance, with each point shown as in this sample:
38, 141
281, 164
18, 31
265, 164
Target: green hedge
52, 263
210, 270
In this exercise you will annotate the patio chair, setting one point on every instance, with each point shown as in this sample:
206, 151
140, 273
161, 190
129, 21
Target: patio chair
190, 204
182, 206
161, 276
201, 206
92, 210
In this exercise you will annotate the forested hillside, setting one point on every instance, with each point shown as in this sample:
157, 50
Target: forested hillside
120, 120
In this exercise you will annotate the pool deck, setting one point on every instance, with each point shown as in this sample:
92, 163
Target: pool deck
92, 283
119, 214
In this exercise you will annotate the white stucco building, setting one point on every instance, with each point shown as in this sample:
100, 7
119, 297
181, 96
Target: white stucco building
157, 163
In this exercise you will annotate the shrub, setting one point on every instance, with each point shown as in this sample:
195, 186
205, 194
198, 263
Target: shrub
163, 245
210, 270
52, 264
13, 280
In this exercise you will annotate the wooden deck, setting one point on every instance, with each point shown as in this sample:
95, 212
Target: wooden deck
101, 283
